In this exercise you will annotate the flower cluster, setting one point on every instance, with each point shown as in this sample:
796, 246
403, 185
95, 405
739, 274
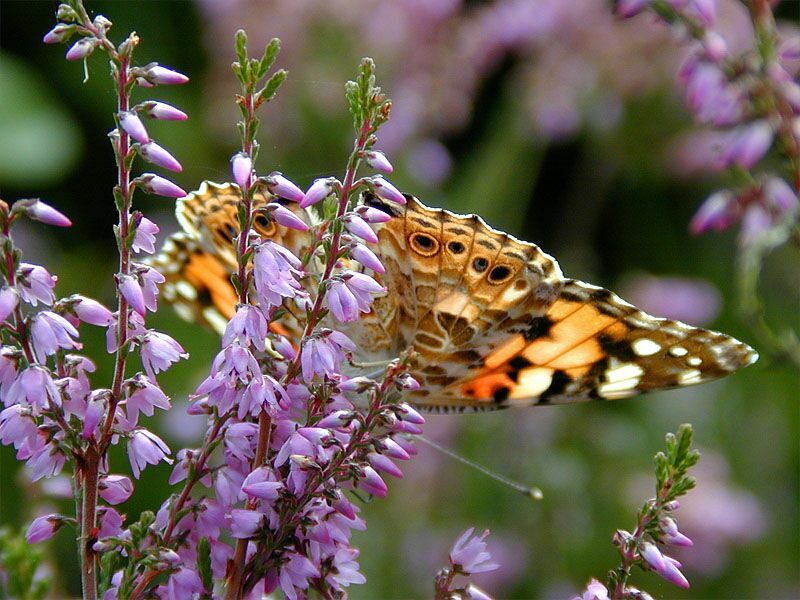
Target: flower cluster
751, 101
656, 525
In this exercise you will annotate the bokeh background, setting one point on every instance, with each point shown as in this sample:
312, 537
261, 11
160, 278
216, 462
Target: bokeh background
556, 122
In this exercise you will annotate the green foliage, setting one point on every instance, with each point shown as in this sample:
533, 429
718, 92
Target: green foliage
19, 562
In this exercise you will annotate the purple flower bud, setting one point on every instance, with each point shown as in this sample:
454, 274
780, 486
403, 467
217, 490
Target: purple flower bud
133, 126
718, 212
283, 188
407, 382
9, 299
287, 218
153, 184
779, 195
242, 169
245, 523
715, 46
652, 556
384, 463
594, 591
59, 33
259, 485
115, 489
319, 190
132, 292
671, 535
373, 215
45, 213
81, 49
665, 566
394, 450
378, 161
158, 74
631, 8
372, 483
359, 227
95, 411
408, 414
339, 418
157, 155
755, 223
386, 190
163, 111
43, 528
746, 145
706, 11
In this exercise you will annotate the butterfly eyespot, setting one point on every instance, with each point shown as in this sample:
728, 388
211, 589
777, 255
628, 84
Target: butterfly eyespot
499, 274
264, 226
423, 244
456, 247
480, 264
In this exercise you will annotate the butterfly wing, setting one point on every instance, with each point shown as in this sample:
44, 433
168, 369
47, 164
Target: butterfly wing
495, 324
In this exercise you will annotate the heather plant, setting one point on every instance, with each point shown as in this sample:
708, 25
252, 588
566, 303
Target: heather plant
295, 437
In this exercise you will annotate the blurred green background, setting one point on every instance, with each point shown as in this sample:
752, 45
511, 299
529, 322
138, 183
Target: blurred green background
556, 123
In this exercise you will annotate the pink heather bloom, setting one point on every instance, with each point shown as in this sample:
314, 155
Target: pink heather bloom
718, 212
131, 290
95, 411
183, 583
594, 591
671, 535
378, 161
110, 522
363, 287
91, 311
157, 155
756, 221
372, 483
709, 94
35, 284
133, 126
248, 326
43, 528
145, 397
242, 170
322, 354
50, 332
469, 553
161, 75
275, 271
34, 386
45, 213
9, 300
295, 573
746, 145
115, 489
245, 523
386, 190
278, 185
81, 49
18, 427
284, 216
163, 111
145, 237
341, 302
260, 484
150, 280
359, 227
154, 184
146, 448
664, 565
373, 215
630, 8
367, 258
705, 10
59, 33
780, 196
319, 190
384, 463
158, 352
345, 569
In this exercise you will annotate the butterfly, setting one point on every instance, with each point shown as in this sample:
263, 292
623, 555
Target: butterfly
492, 320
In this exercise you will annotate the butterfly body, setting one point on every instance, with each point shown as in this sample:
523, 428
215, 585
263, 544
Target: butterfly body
492, 320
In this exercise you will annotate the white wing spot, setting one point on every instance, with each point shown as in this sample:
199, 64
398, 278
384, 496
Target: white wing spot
186, 290
645, 347
215, 319
623, 372
184, 311
689, 377
618, 389
678, 351
694, 361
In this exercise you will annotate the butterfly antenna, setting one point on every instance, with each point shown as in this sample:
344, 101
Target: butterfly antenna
534, 493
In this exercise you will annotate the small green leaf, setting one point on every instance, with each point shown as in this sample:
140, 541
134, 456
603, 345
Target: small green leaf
241, 46
204, 564
272, 85
271, 51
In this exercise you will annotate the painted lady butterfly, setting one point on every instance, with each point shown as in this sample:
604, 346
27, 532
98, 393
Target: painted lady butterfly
492, 319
